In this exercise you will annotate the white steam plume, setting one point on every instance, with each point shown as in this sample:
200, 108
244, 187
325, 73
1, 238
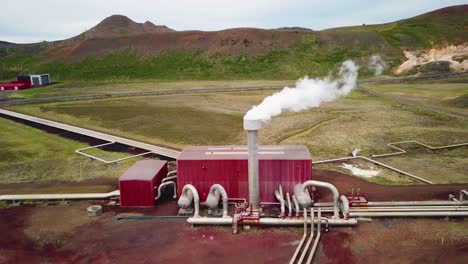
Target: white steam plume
308, 93
377, 64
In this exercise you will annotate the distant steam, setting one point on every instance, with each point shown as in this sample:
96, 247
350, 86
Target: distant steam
377, 64
308, 93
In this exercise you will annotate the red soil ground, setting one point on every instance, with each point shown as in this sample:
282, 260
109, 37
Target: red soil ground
62, 233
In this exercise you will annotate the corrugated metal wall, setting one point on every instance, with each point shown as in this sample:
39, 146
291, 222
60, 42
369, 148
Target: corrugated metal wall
140, 192
233, 176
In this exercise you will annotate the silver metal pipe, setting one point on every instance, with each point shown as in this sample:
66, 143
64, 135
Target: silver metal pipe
289, 204
311, 237
270, 221
378, 163
407, 214
170, 178
412, 210
254, 191
171, 172
317, 239
417, 203
167, 183
463, 193
298, 249
296, 204
224, 197
402, 151
279, 196
329, 186
186, 199
61, 196
345, 206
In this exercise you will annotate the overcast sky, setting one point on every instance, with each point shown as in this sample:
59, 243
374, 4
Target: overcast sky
24, 21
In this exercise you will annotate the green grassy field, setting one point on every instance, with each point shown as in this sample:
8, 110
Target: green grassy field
29, 155
443, 93
333, 130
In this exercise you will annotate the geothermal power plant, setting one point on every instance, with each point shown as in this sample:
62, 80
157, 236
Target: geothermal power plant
243, 186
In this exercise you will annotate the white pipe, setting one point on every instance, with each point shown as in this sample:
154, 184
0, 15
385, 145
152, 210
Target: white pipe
289, 204
317, 239
169, 178
329, 186
196, 199
407, 214
345, 206
402, 151
311, 237
166, 184
171, 172
302, 240
254, 190
269, 221
403, 203
64, 196
417, 203
398, 209
462, 195
279, 196
378, 163
224, 196
296, 204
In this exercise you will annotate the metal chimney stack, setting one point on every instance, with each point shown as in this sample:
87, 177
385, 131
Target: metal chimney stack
252, 127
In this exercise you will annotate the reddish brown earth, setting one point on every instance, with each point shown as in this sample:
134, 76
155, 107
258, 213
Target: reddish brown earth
64, 234
250, 41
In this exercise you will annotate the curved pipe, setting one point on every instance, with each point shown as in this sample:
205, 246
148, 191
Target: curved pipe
224, 196
189, 193
311, 237
462, 195
331, 187
169, 178
345, 206
296, 204
166, 184
279, 196
317, 238
171, 172
298, 249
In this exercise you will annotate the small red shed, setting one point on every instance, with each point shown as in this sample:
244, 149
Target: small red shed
202, 167
137, 185
11, 86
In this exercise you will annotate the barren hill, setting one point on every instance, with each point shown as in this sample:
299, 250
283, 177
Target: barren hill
118, 47
118, 26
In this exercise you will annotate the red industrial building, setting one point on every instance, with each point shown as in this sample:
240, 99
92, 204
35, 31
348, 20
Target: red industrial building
137, 185
227, 165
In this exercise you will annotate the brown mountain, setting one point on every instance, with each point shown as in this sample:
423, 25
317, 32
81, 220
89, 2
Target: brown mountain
118, 26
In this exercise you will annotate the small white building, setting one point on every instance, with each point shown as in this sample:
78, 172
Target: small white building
35, 79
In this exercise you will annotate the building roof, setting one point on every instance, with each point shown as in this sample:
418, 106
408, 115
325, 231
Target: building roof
11, 85
143, 170
269, 152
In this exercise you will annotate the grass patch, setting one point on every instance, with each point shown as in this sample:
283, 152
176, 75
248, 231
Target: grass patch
31, 155
357, 121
